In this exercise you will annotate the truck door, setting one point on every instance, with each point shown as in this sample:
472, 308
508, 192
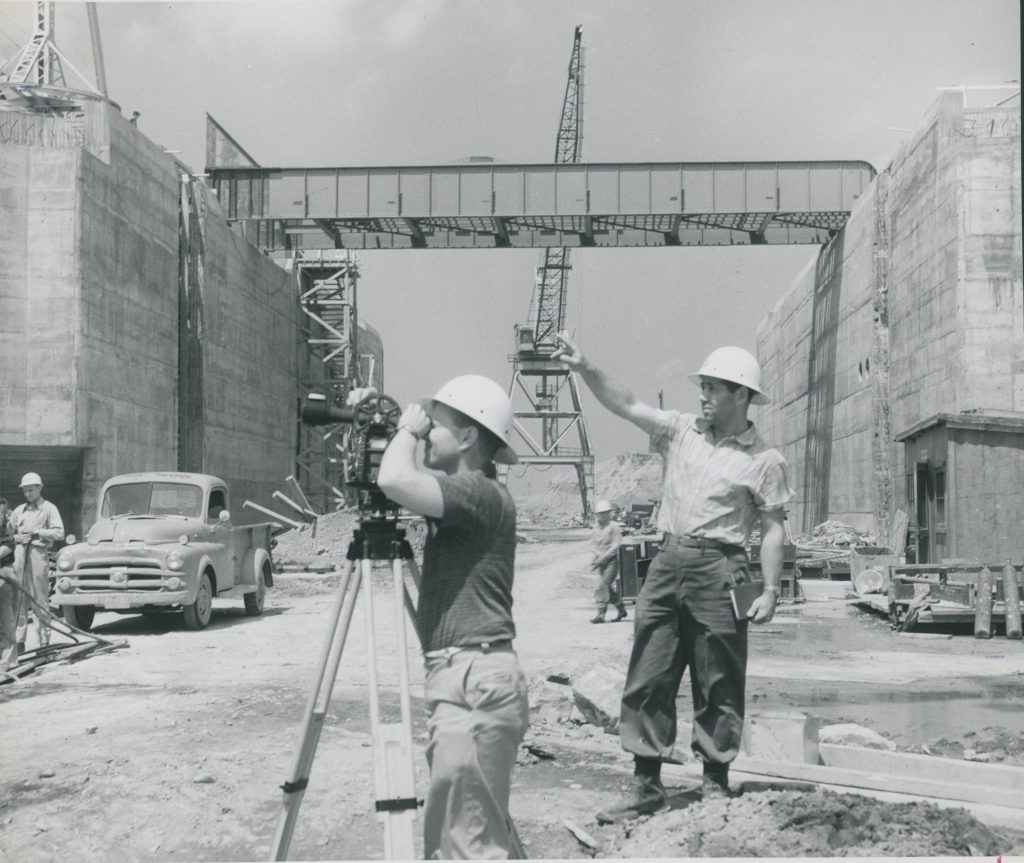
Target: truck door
220, 536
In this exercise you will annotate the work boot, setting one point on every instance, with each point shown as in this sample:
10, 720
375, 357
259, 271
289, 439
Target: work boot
715, 785
620, 616
598, 619
646, 796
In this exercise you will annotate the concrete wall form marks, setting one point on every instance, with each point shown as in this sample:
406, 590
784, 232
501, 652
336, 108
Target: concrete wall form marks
89, 312
921, 313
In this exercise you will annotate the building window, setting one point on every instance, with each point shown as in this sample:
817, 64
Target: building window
940, 499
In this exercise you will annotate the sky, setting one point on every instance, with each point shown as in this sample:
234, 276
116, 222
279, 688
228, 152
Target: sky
421, 82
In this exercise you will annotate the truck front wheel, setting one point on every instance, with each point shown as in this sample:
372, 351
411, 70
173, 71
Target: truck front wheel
80, 616
197, 615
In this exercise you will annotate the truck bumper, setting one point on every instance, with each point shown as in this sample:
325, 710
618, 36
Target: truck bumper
122, 599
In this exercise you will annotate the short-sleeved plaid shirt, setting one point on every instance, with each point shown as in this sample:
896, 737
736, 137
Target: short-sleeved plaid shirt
715, 490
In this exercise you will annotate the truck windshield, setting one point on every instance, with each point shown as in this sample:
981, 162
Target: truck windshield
152, 498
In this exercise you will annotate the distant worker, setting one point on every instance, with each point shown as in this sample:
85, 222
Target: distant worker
719, 480
606, 538
35, 525
475, 691
9, 603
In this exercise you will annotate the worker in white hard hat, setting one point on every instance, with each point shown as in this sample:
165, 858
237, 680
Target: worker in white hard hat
9, 597
720, 480
36, 525
475, 690
606, 537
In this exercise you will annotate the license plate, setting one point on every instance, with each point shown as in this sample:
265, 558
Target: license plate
115, 602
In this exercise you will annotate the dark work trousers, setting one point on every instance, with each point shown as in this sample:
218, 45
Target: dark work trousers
684, 619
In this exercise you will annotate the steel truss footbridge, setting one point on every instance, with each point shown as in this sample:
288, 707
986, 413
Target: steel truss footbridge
493, 205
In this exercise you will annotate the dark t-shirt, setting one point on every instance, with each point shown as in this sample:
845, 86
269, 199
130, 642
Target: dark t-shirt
468, 562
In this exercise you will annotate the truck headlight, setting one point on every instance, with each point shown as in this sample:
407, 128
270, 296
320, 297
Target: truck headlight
175, 562
65, 561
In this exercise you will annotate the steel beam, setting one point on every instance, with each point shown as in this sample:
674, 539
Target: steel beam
488, 206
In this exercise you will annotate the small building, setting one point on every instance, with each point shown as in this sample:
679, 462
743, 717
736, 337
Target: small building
964, 487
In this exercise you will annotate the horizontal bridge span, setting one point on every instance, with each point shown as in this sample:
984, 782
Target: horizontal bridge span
493, 205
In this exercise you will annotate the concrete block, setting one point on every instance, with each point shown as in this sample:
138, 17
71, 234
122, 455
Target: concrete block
598, 695
779, 736
850, 734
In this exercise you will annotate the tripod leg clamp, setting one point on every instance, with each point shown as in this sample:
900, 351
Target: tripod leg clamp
397, 804
292, 787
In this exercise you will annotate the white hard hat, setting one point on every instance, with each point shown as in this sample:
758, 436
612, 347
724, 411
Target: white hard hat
737, 366
603, 506
483, 400
30, 479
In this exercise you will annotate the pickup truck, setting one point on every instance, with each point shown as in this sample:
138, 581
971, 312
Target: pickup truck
163, 541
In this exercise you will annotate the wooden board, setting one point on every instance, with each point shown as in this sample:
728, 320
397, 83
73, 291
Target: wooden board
881, 781
997, 777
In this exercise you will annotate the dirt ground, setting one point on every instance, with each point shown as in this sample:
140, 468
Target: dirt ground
173, 747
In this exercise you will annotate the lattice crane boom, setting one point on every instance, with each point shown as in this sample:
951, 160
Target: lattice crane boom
547, 313
542, 380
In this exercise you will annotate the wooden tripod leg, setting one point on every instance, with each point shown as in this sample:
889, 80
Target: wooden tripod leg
316, 710
393, 765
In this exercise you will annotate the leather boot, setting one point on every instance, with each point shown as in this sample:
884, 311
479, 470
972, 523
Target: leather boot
715, 784
646, 796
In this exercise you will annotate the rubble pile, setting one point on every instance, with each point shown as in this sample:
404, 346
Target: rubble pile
624, 480
835, 535
299, 548
810, 824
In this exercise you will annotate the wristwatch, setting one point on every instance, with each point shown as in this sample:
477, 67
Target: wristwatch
770, 588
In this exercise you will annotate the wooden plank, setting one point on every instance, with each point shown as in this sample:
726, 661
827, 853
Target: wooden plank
995, 777
878, 780
898, 536
745, 771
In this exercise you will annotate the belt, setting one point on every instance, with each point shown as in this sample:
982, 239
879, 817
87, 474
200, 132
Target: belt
702, 542
482, 647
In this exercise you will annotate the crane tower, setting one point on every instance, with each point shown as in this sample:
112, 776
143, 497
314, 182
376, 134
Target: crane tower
553, 406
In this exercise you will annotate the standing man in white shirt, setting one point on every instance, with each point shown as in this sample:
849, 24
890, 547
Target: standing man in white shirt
720, 479
606, 538
36, 525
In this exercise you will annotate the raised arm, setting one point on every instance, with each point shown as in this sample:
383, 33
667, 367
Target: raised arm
399, 477
617, 398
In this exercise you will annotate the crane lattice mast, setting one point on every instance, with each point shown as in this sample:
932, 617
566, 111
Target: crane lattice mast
536, 343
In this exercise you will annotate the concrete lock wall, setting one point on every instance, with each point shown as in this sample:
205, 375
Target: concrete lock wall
89, 305
250, 366
914, 309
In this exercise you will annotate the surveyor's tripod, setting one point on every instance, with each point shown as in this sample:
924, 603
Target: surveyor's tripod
378, 538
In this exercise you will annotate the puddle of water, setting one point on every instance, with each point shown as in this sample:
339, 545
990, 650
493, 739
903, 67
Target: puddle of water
947, 704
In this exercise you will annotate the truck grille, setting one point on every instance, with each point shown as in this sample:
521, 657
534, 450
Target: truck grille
143, 574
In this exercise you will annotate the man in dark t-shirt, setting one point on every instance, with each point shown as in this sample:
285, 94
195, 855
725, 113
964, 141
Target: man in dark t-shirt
475, 690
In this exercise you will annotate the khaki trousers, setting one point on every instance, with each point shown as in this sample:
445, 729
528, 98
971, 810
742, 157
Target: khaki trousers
9, 596
606, 590
32, 567
479, 713
684, 619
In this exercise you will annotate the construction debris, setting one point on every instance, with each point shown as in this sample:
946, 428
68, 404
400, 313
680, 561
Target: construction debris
834, 535
810, 824
82, 645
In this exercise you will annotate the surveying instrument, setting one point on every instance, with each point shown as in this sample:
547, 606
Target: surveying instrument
378, 537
